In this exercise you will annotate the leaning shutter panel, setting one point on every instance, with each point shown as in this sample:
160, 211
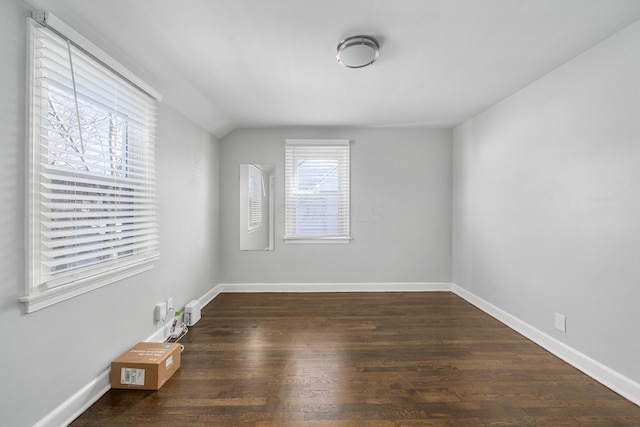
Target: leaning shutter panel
256, 194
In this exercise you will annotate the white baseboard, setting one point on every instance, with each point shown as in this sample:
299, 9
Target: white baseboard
78, 403
336, 287
617, 382
160, 335
210, 295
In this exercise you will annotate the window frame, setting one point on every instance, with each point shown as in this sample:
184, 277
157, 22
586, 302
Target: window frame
318, 149
42, 288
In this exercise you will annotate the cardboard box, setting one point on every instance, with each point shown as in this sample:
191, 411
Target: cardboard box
146, 366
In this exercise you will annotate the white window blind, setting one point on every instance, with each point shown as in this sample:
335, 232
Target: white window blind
317, 184
256, 194
92, 203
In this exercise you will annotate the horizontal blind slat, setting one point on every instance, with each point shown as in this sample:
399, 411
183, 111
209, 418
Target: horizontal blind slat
96, 245
106, 228
95, 255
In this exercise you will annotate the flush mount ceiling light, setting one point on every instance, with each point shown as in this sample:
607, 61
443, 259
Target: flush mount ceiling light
358, 51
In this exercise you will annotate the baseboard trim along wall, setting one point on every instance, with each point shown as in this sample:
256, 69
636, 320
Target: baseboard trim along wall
336, 287
89, 394
617, 382
71, 408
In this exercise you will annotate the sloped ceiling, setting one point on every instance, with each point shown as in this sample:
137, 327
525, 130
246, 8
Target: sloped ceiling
230, 64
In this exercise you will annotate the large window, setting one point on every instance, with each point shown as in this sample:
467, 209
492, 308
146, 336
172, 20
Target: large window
317, 191
92, 215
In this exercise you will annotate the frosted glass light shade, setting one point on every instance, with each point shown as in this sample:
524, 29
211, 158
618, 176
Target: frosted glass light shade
358, 51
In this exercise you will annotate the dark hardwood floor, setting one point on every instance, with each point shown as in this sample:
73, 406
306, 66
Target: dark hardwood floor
362, 359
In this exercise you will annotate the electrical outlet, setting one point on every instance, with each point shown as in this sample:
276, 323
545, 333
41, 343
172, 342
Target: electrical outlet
171, 310
561, 322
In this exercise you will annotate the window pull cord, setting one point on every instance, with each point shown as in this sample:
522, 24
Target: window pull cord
75, 97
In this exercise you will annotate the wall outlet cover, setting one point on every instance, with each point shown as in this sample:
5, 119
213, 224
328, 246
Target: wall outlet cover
561, 322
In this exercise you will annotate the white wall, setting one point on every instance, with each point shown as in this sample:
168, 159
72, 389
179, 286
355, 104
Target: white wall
49, 355
547, 203
401, 210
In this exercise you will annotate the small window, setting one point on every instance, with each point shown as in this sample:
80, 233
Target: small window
92, 215
317, 191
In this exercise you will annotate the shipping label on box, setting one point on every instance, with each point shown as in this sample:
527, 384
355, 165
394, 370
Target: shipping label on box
146, 366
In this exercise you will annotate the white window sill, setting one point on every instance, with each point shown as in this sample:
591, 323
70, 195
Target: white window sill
45, 298
318, 240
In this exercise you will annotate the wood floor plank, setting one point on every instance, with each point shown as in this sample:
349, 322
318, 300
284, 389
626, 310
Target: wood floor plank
362, 359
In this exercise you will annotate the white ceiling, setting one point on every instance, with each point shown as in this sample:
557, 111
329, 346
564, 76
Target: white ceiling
230, 64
